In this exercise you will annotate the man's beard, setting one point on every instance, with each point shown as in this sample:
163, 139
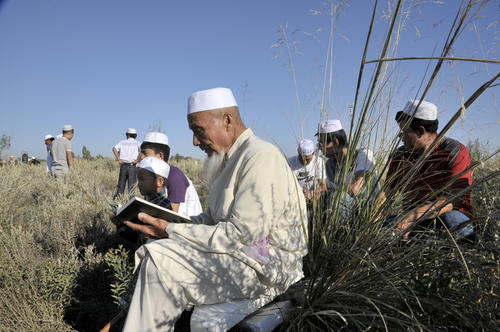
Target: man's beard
213, 166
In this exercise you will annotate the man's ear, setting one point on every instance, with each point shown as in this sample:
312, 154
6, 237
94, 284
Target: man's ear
228, 119
161, 155
160, 181
420, 131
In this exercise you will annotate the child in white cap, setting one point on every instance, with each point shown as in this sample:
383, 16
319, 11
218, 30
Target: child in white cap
152, 174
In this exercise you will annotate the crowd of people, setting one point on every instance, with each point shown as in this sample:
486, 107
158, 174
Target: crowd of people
250, 242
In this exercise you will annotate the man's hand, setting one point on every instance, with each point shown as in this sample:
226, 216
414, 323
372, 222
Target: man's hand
404, 225
154, 228
121, 161
308, 194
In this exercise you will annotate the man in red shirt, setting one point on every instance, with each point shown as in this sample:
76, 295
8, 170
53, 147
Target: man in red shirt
437, 187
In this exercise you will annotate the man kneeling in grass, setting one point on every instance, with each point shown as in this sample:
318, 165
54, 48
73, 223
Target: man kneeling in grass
361, 181
435, 189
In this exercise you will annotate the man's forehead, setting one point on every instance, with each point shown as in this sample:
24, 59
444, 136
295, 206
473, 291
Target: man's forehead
198, 119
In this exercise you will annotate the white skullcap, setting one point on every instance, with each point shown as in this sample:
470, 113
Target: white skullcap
156, 137
131, 131
329, 126
210, 99
49, 136
67, 127
306, 147
426, 110
155, 165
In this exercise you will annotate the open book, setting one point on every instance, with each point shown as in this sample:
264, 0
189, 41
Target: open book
131, 209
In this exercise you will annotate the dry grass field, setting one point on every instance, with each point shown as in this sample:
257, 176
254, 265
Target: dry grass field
62, 267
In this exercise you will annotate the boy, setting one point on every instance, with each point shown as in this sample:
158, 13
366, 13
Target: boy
151, 178
180, 189
152, 174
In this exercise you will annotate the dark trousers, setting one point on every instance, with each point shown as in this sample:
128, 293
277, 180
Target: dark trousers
128, 172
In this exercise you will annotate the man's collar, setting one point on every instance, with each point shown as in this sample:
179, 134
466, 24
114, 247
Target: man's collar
247, 133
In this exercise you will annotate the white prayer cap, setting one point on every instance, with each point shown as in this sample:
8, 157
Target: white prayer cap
210, 99
131, 131
155, 165
306, 147
426, 110
49, 136
156, 137
329, 126
67, 127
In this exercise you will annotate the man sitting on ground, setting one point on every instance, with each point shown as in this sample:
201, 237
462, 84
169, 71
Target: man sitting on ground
249, 244
180, 190
438, 186
309, 170
332, 140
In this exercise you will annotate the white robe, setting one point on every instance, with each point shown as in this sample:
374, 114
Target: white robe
255, 197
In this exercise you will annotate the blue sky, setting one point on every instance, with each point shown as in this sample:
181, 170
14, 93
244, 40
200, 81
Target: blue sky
104, 66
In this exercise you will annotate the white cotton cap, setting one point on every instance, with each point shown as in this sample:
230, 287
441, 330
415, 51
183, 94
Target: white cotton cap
329, 126
156, 137
155, 165
48, 136
306, 147
210, 99
67, 127
131, 131
426, 110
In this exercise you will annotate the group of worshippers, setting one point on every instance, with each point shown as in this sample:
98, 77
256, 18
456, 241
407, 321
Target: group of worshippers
432, 187
59, 153
249, 244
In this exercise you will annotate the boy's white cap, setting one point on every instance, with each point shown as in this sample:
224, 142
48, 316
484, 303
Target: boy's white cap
155, 165
210, 99
67, 127
48, 136
156, 137
426, 110
306, 147
329, 126
131, 131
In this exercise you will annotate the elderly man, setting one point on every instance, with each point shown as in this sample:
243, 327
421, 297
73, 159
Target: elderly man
332, 139
48, 139
249, 244
436, 188
62, 156
309, 170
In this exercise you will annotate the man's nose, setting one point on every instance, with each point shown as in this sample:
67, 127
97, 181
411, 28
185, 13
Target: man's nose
196, 142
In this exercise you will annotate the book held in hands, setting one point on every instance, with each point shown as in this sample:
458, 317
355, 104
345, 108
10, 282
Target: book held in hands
131, 209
